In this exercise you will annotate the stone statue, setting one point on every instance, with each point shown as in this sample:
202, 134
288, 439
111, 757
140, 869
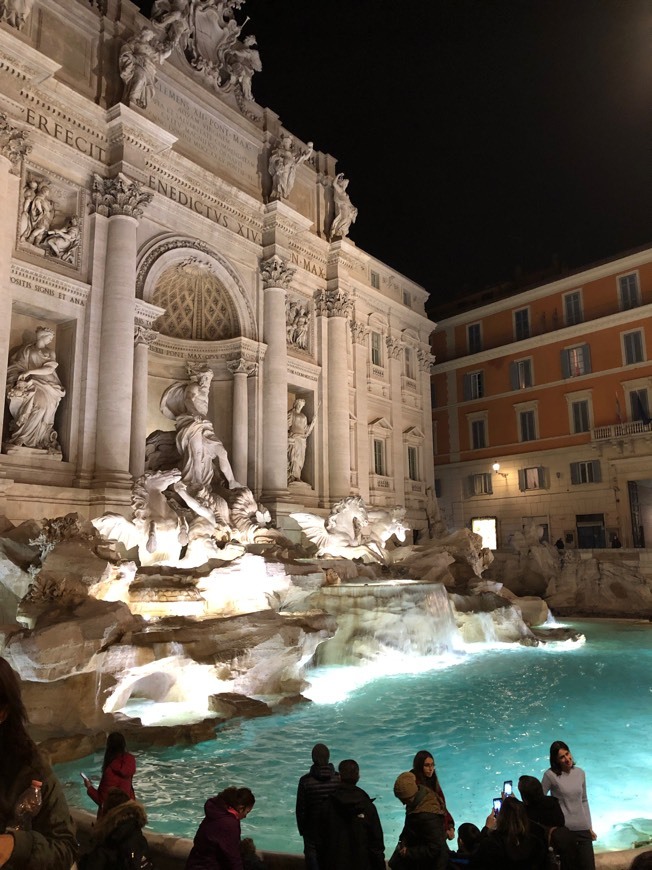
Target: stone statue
298, 431
298, 325
139, 58
282, 165
34, 392
63, 242
241, 62
14, 12
345, 211
37, 213
186, 402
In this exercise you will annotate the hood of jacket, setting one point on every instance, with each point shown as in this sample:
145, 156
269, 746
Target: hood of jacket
215, 808
322, 772
130, 811
349, 800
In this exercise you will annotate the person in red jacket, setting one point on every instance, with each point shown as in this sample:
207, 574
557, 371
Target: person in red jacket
118, 769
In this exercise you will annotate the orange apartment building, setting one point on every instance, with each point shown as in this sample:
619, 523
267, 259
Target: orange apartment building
541, 409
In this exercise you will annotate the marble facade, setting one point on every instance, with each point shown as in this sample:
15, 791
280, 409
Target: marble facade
167, 243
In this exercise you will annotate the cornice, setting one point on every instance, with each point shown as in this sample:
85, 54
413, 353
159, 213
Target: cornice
24, 63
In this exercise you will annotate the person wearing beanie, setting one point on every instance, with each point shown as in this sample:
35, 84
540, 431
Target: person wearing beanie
313, 789
118, 839
350, 833
422, 844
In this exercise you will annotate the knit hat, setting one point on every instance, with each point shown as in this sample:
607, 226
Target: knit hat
405, 786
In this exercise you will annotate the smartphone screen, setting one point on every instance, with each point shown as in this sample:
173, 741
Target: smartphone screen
497, 805
508, 788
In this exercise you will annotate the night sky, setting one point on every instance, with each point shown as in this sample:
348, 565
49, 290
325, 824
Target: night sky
480, 137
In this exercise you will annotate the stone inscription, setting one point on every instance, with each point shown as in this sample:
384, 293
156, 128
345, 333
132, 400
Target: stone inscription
65, 134
205, 138
307, 265
56, 291
202, 208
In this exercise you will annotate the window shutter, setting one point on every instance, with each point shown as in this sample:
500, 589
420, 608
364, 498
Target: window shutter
597, 471
544, 481
521, 480
586, 351
565, 365
575, 472
513, 375
467, 387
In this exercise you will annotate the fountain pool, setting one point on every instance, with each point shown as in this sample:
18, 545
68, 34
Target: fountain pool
488, 712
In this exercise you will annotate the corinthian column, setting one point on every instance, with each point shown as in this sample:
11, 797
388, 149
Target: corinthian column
121, 201
143, 338
395, 354
277, 276
240, 369
13, 147
337, 306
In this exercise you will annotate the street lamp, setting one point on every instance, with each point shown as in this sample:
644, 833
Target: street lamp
496, 468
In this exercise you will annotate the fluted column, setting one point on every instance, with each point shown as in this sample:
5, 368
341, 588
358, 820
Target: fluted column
122, 201
426, 361
143, 338
240, 369
277, 276
360, 336
337, 306
13, 147
395, 355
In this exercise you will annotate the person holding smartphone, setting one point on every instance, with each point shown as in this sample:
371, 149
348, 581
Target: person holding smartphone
118, 769
509, 841
567, 782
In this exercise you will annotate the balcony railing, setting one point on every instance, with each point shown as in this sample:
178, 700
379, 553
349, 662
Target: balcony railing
621, 430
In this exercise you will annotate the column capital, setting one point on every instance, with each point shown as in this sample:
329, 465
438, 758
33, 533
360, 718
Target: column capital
276, 273
359, 332
242, 366
118, 196
335, 303
13, 144
142, 335
426, 360
393, 347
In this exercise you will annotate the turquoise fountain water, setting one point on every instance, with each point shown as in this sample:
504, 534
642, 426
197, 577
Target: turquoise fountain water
488, 712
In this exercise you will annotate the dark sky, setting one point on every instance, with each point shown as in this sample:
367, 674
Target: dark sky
478, 135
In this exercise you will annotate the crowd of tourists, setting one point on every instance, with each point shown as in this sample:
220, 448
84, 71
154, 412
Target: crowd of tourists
549, 827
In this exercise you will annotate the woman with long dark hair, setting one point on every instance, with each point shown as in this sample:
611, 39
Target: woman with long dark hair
567, 782
217, 842
509, 842
118, 769
47, 839
423, 768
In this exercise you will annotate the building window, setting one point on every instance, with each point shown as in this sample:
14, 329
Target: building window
473, 385
408, 362
576, 361
639, 406
573, 308
581, 419
376, 349
474, 337
531, 478
413, 462
628, 291
633, 347
522, 324
407, 298
480, 484
520, 374
375, 280
478, 434
585, 472
438, 487
433, 394
527, 425
379, 456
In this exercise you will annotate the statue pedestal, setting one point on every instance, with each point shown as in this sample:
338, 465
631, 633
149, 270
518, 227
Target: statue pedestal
30, 452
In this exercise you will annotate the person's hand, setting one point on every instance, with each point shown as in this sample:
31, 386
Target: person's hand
450, 832
6, 848
490, 822
594, 836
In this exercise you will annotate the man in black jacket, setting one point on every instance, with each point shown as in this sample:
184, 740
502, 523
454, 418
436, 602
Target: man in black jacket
350, 833
546, 812
314, 788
